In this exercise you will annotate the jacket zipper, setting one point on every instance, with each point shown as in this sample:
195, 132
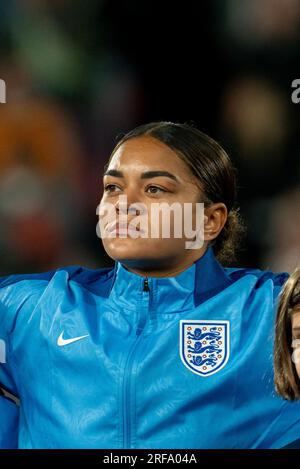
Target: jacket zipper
146, 285
128, 368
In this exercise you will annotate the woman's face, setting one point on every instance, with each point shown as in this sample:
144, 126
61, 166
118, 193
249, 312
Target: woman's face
128, 174
296, 339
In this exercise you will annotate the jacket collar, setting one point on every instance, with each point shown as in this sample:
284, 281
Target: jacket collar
199, 282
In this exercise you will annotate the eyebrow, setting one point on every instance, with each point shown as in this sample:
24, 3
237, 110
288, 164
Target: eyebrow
145, 175
296, 329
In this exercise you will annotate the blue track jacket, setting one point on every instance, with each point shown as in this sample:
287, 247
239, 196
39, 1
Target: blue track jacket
106, 358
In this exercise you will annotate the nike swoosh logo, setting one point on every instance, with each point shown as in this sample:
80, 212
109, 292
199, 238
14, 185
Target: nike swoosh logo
61, 341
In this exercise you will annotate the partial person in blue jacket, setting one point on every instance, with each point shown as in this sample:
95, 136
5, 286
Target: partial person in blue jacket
169, 348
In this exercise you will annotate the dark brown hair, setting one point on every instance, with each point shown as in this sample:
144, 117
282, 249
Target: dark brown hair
287, 382
212, 167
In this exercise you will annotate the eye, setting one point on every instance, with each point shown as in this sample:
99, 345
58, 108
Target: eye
156, 189
110, 187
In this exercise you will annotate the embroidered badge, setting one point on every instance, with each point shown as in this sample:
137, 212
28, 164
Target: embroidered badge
204, 345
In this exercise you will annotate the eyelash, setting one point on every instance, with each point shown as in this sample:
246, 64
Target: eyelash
106, 188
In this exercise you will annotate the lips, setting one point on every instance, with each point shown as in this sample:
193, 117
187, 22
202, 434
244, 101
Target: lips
119, 226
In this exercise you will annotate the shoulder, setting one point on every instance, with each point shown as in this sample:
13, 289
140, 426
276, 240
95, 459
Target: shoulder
260, 276
38, 281
95, 280
264, 283
18, 291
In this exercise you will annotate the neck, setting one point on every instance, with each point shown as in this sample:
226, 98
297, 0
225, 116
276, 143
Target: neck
159, 268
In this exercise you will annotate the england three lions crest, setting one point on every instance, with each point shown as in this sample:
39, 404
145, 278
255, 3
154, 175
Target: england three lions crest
204, 345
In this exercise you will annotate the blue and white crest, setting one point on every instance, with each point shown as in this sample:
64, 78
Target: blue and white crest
204, 345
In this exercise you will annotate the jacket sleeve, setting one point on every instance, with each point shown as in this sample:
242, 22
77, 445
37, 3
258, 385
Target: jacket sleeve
18, 294
9, 303
9, 411
9, 420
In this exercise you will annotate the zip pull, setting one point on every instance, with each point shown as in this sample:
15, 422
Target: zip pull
146, 285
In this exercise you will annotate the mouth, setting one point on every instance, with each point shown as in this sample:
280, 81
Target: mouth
123, 228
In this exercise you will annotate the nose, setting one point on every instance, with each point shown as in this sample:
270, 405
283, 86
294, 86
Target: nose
128, 203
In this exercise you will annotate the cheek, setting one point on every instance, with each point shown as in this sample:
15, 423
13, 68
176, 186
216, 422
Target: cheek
106, 213
166, 223
296, 359
297, 365
298, 369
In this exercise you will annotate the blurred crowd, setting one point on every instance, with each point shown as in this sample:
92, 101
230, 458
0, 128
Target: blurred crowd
78, 74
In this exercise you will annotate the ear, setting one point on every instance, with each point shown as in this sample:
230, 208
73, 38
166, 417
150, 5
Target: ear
215, 217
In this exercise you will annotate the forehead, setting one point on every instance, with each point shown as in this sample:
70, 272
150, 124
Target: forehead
144, 152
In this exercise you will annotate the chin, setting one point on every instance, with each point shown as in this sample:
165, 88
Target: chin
139, 249
126, 248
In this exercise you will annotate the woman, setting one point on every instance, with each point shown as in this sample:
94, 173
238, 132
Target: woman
287, 340
287, 343
167, 349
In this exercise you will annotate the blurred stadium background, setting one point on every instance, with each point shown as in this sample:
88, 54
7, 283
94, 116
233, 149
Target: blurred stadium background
79, 73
